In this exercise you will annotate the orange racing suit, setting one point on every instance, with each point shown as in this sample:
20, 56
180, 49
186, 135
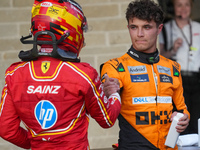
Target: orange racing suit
151, 87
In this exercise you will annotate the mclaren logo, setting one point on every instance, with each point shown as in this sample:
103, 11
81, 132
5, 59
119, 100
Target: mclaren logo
45, 66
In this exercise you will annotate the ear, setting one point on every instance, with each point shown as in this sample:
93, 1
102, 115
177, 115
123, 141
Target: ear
160, 28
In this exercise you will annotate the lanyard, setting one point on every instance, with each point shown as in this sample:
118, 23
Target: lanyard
189, 43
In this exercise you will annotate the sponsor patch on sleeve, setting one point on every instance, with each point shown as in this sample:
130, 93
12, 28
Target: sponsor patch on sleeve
120, 68
175, 72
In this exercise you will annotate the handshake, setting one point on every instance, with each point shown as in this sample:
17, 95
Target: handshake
110, 86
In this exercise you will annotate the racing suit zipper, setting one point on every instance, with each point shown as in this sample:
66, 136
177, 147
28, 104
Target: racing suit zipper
155, 81
156, 85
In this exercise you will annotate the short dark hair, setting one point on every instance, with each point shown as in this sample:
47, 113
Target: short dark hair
145, 10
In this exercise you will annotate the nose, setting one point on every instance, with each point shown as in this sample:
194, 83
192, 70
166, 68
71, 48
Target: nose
140, 32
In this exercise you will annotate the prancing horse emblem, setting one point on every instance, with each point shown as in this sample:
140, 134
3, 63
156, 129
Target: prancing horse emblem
45, 66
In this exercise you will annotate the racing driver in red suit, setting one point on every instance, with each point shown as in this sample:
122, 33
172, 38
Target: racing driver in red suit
50, 90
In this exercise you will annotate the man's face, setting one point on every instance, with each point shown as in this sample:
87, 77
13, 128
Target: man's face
144, 34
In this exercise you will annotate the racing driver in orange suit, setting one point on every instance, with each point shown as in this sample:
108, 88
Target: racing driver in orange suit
50, 90
151, 85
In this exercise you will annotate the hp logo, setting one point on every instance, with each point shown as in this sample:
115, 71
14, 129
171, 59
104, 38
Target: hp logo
46, 114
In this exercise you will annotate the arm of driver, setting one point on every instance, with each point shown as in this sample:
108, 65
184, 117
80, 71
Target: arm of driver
110, 86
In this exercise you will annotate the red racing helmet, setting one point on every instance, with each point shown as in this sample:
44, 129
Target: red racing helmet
60, 17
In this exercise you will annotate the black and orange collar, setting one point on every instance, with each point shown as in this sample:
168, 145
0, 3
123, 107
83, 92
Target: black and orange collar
147, 58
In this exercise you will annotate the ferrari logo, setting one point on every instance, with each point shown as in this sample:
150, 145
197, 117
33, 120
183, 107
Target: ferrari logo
45, 66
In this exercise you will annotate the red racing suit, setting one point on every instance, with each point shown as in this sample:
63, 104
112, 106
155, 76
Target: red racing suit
54, 99
151, 87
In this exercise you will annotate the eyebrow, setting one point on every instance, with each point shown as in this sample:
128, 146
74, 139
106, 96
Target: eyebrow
145, 25
148, 25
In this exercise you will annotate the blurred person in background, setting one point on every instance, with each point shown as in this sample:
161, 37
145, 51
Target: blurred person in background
180, 41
